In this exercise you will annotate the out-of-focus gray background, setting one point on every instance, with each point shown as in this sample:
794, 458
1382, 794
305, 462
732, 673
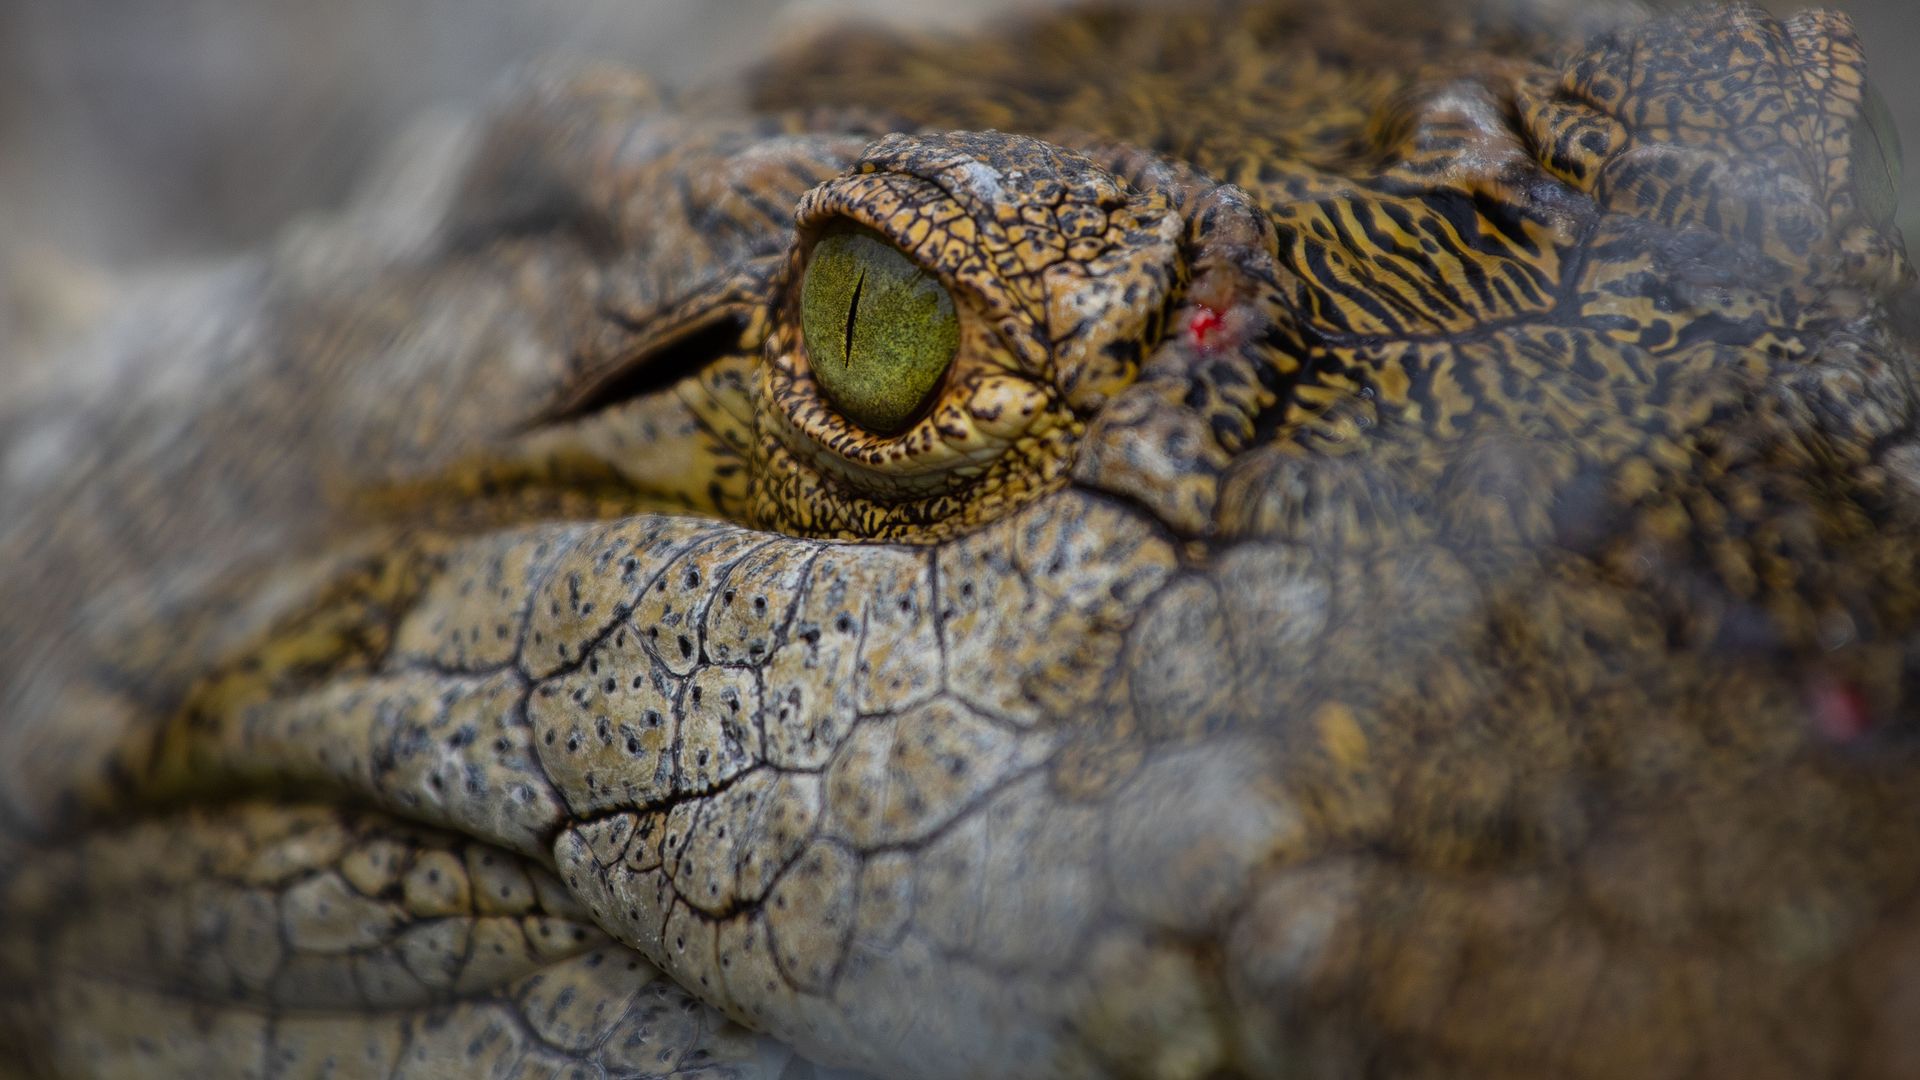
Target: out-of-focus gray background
138, 131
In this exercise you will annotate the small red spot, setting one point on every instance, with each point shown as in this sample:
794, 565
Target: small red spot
1204, 323
1840, 710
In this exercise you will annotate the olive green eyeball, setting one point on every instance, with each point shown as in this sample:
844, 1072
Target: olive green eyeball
880, 331
1876, 159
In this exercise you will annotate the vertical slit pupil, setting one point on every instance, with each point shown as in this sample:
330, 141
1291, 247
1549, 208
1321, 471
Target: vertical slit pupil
853, 308
879, 382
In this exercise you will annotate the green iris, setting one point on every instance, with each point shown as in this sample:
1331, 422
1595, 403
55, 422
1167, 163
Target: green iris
1876, 159
880, 331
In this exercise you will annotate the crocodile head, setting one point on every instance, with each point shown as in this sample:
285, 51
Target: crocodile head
1290, 542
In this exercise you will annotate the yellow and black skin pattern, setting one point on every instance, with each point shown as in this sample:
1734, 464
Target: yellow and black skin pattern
1395, 553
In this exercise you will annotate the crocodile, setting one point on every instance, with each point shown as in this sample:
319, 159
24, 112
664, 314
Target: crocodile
1255, 539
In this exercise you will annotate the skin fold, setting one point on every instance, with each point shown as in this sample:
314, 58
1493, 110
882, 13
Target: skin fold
1410, 572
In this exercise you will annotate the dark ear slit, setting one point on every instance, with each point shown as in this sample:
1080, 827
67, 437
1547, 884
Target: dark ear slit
654, 369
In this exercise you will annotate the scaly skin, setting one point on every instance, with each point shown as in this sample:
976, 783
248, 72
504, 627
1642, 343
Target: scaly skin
1411, 573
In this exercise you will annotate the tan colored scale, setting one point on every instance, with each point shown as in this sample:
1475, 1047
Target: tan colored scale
1410, 572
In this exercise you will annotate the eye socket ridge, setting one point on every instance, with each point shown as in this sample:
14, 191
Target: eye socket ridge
880, 331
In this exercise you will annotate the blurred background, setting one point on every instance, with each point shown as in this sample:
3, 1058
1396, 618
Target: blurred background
141, 131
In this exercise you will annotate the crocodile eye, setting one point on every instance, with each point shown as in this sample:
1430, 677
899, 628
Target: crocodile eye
1876, 158
880, 331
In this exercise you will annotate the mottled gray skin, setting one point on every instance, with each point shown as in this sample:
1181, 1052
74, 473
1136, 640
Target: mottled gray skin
1410, 573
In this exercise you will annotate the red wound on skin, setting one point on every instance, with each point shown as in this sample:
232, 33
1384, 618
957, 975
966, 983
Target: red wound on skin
1840, 710
1204, 323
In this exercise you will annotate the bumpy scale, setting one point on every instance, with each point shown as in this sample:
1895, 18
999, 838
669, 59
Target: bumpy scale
1405, 567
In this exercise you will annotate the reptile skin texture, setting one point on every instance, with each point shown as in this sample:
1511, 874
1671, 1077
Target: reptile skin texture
1413, 571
